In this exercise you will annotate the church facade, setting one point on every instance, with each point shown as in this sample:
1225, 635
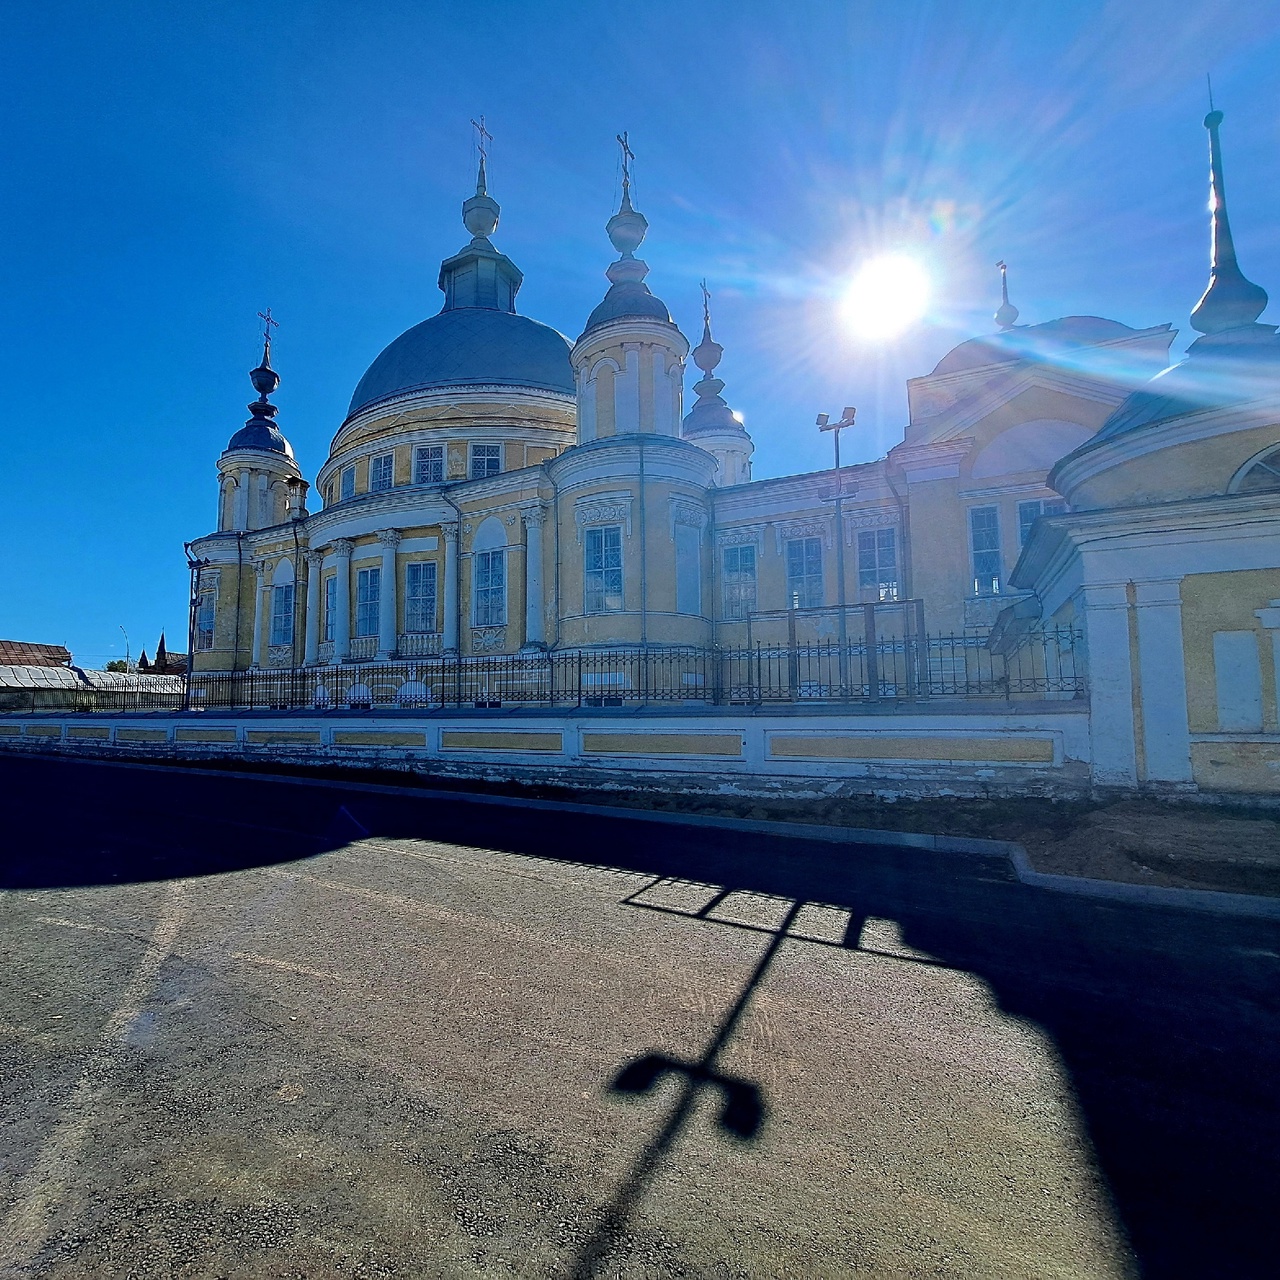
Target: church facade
496, 490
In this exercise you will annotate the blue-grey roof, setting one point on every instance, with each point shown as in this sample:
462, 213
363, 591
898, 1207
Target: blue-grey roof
468, 346
628, 298
260, 435
1051, 341
1220, 370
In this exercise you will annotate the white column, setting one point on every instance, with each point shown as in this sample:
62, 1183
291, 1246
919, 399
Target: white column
450, 532
242, 500
1166, 734
342, 548
390, 539
311, 646
1105, 613
260, 579
534, 628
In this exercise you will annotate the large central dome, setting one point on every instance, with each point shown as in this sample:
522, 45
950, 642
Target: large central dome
468, 346
477, 339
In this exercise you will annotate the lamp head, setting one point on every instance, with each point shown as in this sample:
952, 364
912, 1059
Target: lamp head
823, 419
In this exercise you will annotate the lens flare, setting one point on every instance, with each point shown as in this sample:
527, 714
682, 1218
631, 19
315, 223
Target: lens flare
886, 296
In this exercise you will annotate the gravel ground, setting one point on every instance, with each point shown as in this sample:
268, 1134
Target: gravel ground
346, 1037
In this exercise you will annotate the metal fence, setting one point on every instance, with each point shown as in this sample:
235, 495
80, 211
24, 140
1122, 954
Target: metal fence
896, 670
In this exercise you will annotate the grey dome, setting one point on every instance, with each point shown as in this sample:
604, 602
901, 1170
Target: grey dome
260, 435
468, 346
627, 299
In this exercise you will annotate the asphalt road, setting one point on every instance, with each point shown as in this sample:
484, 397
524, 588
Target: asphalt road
250, 1028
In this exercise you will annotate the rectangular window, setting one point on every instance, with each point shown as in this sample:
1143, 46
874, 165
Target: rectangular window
602, 570
347, 484
984, 546
420, 596
1029, 511
486, 460
368, 597
804, 573
489, 588
381, 471
328, 494
878, 564
204, 620
282, 613
739, 579
428, 464
330, 606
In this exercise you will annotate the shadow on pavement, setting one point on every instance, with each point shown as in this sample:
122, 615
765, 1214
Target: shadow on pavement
1167, 1023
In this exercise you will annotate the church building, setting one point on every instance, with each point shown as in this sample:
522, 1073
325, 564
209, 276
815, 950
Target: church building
496, 490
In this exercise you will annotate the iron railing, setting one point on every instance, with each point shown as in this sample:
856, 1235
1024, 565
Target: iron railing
903, 670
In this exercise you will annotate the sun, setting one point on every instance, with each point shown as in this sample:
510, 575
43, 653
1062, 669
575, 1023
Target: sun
887, 295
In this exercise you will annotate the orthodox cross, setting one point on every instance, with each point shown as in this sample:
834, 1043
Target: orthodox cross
267, 325
706, 304
627, 157
483, 136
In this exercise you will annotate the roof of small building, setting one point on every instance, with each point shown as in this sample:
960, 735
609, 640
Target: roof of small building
25, 653
1052, 340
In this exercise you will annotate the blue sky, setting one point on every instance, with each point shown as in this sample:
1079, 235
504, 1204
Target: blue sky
171, 169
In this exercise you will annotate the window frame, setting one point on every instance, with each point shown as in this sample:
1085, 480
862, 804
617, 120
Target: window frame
808, 575
206, 609
489, 590
376, 470
1043, 507
878, 580
346, 483
426, 571
493, 453
282, 606
330, 607
982, 571
436, 461
598, 579
737, 602
368, 600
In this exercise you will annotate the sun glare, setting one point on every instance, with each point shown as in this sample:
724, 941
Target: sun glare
886, 296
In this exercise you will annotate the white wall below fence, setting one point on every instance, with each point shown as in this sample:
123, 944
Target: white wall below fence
1043, 752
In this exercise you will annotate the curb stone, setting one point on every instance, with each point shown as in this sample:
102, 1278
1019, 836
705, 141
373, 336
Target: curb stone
1246, 905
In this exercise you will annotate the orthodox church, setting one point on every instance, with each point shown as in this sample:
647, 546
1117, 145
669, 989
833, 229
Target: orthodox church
497, 489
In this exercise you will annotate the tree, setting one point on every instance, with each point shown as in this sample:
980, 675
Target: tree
117, 664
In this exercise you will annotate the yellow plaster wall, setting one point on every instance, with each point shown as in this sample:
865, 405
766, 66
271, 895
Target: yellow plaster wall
1200, 468
1224, 602
1237, 766
499, 740
1004, 750
665, 744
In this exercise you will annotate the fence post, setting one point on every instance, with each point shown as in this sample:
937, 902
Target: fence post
793, 658
873, 657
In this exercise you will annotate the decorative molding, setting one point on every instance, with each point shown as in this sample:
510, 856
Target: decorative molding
280, 655
208, 579
743, 536
450, 534
260, 568
593, 511
687, 513
884, 519
315, 559
389, 537
816, 528
342, 548
488, 639
535, 516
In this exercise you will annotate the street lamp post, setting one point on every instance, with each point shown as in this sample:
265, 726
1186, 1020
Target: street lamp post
825, 424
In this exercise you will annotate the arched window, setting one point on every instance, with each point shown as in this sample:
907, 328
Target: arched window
1262, 475
282, 603
489, 575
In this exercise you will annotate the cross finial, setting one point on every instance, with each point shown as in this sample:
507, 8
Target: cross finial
1006, 314
483, 138
267, 325
627, 157
1208, 79
706, 304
